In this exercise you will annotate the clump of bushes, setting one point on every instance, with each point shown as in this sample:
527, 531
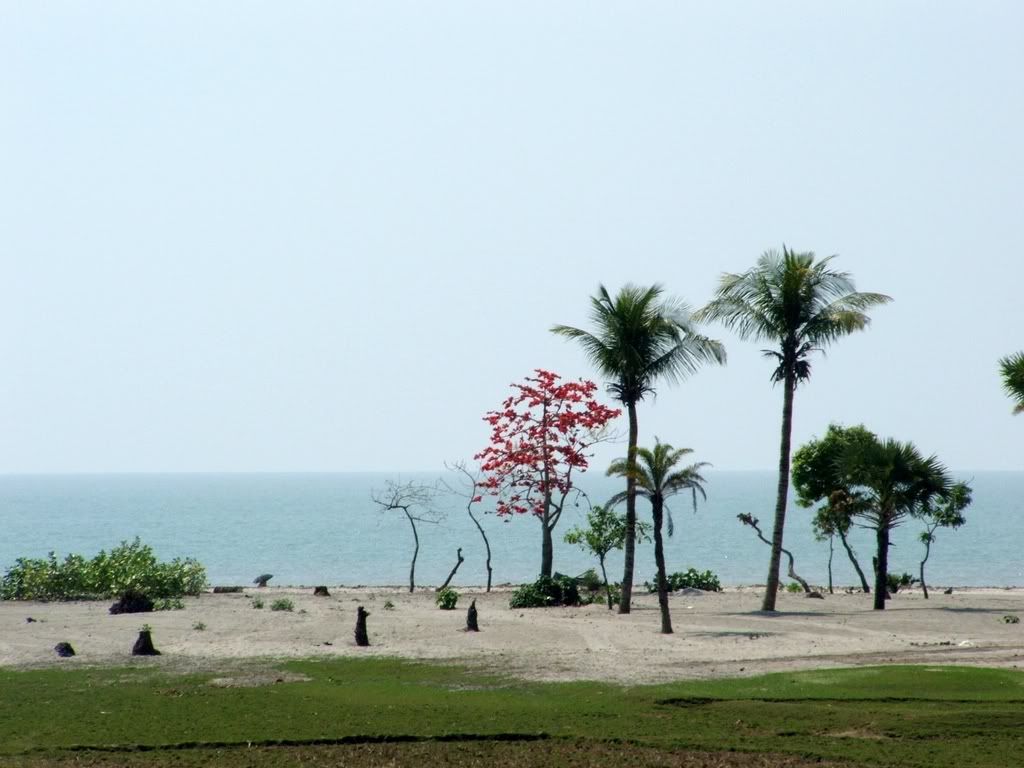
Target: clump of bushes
129, 566
257, 602
691, 578
894, 583
447, 598
282, 604
547, 591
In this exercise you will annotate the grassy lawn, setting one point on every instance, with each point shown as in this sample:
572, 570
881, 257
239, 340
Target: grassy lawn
388, 712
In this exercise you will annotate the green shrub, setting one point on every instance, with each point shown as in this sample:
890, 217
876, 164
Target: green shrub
590, 580
131, 565
388, 605
199, 626
168, 604
894, 583
794, 587
257, 602
1011, 618
691, 578
282, 604
447, 598
546, 591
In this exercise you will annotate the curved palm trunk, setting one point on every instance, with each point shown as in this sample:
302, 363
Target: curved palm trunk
659, 559
882, 565
630, 546
772, 587
856, 565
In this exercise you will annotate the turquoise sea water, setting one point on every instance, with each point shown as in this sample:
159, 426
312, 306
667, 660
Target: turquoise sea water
324, 529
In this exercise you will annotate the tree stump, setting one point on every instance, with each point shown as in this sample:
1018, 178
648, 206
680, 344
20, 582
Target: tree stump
144, 645
64, 650
132, 602
262, 579
362, 638
321, 592
471, 618
226, 590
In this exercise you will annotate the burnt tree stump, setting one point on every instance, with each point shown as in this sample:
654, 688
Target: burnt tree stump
64, 650
144, 645
471, 618
226, 590
321, 592
132, 601
362, 638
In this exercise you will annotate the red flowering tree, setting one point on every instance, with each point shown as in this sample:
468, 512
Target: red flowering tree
539, 441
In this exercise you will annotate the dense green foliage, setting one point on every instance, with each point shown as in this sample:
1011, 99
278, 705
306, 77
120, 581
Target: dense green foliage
447, 598
690, 578
1012, 370
547, 591
605, 531
131, 565
912, 717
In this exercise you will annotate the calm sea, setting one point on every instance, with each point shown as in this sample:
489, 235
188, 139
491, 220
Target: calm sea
324, 529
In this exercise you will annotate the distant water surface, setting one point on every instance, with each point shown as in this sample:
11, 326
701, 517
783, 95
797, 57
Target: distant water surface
324, 529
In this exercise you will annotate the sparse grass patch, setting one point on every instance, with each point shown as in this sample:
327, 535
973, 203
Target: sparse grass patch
282, 604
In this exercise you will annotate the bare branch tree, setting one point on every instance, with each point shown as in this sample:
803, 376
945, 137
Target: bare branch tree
754, 523
470, 491
416, 501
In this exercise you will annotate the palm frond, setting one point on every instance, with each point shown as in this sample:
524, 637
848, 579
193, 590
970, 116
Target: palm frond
1011, 368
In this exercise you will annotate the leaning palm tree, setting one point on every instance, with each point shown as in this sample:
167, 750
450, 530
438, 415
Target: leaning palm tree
1012, 368
802, 305
639, 338
658, 476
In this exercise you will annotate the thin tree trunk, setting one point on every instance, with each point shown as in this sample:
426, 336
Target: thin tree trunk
630, 546
882, 566
927, 551
415, 553
831, 550
772, 587
856, 566
458, 562
659, 559
487, 544
607, 587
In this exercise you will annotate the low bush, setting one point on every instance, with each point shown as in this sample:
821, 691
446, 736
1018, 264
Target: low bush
257, 602
447, 598
793, 587
129, 566
547, 591
282, 604
168, 604
895, 582
691, 578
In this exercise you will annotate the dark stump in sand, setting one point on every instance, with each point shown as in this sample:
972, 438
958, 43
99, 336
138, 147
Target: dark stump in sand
361, 637
64, 650
132, 602
262, 579
226, 590
321, 592
471, 619
144, 645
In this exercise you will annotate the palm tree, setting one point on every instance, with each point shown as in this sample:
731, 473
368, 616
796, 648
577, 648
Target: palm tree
802, 305
895, 482
638, 339
1012, 368
657, 476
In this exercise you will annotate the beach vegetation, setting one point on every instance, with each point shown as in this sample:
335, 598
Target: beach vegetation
894, 582
446, 599
388, 605
199, 626
257, 603
605, 532
802, 305
282, 604
1011, 368
947, 513
639, 338
546, 592
659, 475
539, 443
691, 578
907, 716
416, 500
818, 476
128, 566
168, 604
794, 587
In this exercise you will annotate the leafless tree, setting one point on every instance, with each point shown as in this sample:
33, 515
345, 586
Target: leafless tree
416, 501
470, 491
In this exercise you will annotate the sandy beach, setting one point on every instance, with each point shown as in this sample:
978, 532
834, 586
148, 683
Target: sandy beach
717, 634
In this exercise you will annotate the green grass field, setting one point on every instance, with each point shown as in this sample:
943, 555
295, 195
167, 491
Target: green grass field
389, 712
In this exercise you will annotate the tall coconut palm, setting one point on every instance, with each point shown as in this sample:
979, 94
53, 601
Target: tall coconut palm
1012, 368
639, 338
803, 305
658, 476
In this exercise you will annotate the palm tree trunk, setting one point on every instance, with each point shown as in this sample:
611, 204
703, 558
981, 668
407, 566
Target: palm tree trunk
882, 565
659, 559
856, 565
772, 587
630, 547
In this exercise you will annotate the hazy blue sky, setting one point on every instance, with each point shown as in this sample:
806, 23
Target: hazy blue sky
327, 236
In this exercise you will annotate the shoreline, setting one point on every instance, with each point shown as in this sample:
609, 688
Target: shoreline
719, 634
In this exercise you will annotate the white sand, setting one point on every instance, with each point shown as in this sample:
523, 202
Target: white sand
716, 634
